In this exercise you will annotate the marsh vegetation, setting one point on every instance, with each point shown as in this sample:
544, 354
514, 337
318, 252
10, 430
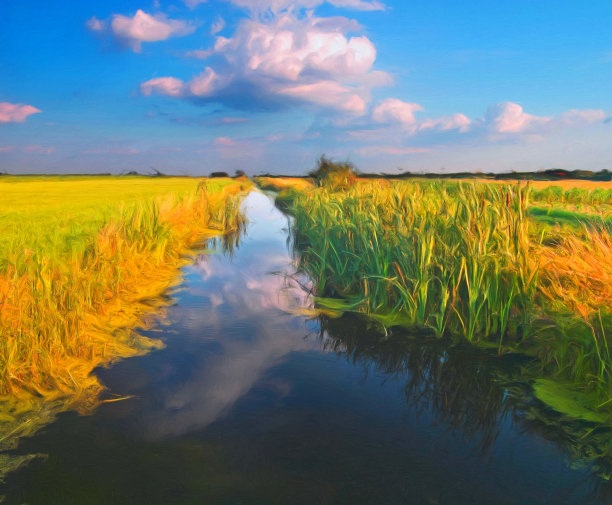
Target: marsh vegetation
485, 304
83, 261
503, 266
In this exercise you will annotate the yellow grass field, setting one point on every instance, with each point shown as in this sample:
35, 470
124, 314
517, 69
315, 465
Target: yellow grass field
83, 260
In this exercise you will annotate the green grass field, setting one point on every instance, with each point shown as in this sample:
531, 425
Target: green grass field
53, 215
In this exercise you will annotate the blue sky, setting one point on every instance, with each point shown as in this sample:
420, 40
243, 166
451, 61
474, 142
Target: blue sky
192, 86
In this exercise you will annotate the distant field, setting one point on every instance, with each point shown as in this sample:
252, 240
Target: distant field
299, 182
53, 215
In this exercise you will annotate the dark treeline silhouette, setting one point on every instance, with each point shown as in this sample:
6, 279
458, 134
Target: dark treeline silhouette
552, 174
327, 167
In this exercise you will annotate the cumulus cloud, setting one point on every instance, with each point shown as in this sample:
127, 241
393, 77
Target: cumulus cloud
286, 58
454, 122
142, 27
169, 86
509, 118
393, 110
327, 93
392, 128
16, 112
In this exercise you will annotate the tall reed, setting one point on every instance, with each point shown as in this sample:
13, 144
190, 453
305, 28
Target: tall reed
467, 260
450, 257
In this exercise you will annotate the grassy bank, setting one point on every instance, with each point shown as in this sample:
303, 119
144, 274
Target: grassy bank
471, 261
82, 261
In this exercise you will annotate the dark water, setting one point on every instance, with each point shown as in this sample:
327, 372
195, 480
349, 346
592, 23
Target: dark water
251, 403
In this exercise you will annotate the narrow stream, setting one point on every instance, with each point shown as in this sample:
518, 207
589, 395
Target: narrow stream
252, 403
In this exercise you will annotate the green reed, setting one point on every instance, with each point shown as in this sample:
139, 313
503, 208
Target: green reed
449, 257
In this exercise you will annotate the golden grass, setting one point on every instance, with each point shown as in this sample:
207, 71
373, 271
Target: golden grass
69, 300
55, 215
564, 184
281, 183
577, 272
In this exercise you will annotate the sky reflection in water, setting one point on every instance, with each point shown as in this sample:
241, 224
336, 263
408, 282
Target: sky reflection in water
250, 404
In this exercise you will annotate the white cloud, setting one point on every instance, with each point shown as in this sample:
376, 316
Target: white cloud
509, 117
327, 93
164, 86
16, 112
142, 27
587, 116
286, 58
393, 110
454, 122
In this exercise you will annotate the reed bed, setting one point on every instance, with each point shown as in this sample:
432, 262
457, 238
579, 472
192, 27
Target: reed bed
451, 258
466, 260
70, 297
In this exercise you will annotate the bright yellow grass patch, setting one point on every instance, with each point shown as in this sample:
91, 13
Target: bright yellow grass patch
84, 259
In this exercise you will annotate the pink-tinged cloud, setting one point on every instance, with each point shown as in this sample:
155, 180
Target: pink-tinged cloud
393, 110
16, 112
289, 48
277, 6
39, 149
142, 27
286, 58
233, 120
360, 5
207, 83
217, 26
327, 93
509, 117
199, 54
7, 149
169, 86
225, 142
454, 122
392, 150
587, 116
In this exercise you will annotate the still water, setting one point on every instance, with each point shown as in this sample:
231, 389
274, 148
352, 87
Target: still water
254, 402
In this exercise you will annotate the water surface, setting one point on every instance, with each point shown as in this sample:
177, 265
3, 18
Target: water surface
252, 403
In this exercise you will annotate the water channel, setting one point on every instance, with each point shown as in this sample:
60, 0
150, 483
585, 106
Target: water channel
255, 401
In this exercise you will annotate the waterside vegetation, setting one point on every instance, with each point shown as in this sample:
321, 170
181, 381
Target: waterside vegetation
489, 263
83, 261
